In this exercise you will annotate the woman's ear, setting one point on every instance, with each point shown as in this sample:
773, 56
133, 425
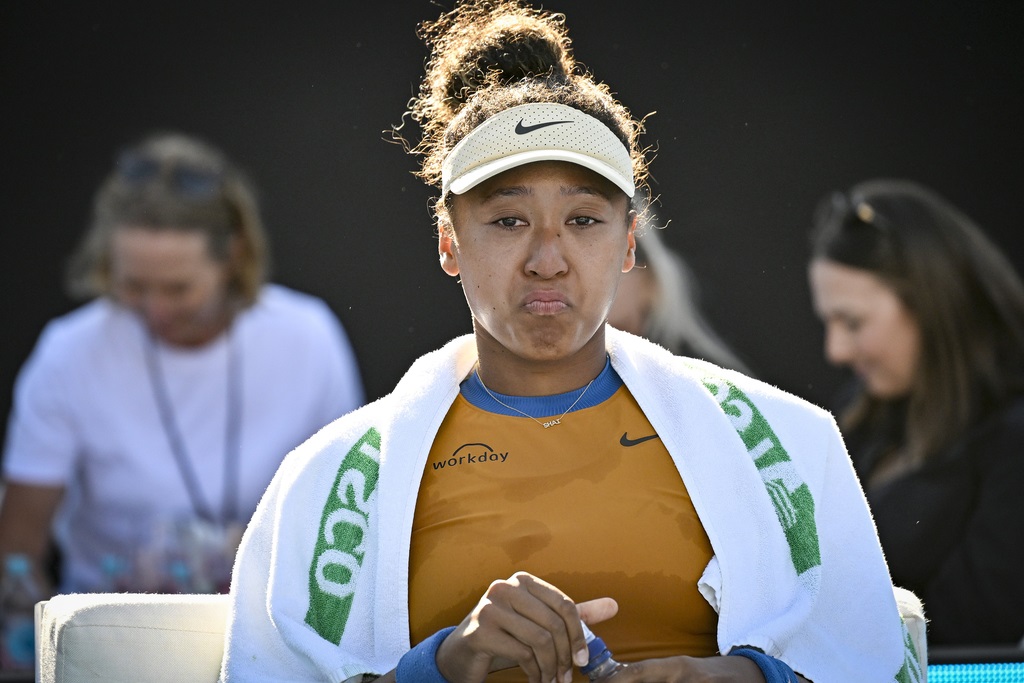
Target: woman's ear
630, 260
447, 248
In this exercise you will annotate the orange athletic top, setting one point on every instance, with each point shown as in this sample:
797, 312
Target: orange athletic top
593, 505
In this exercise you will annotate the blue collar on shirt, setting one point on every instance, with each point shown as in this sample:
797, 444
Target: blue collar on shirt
605, 384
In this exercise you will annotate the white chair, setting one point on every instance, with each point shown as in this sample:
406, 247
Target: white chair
152, 638
138, 637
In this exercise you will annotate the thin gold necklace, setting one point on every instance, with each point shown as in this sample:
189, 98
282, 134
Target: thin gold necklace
545, 425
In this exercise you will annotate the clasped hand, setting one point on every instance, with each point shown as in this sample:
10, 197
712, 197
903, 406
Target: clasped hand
527, 622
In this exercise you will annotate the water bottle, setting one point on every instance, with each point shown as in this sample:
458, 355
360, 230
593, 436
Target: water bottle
18, 597
602, 665
116, 574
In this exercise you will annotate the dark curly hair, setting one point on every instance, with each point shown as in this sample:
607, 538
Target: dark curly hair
490, 55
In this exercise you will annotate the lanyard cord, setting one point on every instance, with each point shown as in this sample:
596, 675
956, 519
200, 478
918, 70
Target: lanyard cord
232, 432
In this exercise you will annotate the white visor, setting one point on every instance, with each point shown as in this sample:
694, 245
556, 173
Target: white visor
541, 131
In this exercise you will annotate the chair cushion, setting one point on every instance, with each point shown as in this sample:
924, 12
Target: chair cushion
109, 637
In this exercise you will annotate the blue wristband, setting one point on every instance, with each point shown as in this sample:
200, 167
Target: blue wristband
419, 665
773, 670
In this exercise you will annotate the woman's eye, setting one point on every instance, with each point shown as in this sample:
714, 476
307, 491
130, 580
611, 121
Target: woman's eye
583, 221
852, 324
509, 222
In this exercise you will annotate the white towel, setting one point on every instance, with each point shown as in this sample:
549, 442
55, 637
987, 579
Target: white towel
321, 580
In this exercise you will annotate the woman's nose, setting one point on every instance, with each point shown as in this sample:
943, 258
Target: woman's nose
546, 258
838, 346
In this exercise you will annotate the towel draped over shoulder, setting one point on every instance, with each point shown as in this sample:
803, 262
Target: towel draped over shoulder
321, 580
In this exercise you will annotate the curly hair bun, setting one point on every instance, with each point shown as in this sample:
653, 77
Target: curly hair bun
489, 56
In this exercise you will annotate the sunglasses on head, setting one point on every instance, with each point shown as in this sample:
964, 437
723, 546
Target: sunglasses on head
849, 212
187, 180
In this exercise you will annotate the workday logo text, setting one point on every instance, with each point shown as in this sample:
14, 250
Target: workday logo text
473, 455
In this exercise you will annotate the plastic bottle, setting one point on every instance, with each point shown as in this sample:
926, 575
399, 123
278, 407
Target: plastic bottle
602, 665
18, 597
115, 574
179, 577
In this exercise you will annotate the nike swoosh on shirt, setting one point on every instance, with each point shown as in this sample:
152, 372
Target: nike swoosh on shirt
523, 130
627, 442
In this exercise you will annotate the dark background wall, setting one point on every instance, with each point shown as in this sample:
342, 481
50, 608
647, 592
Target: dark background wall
761, 108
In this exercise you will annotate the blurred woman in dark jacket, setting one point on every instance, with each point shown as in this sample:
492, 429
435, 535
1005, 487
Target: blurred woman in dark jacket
929, 316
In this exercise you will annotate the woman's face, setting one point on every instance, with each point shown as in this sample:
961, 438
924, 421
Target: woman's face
170, 279
867, 327
540, 250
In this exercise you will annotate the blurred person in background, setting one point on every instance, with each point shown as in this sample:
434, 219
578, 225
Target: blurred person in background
929, 316
147, 423
659, 300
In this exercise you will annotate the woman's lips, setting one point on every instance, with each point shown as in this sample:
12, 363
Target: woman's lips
545, 303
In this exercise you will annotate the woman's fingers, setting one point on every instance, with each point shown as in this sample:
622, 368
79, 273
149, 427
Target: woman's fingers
595, 611
591, 612
548, 620
522, 621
